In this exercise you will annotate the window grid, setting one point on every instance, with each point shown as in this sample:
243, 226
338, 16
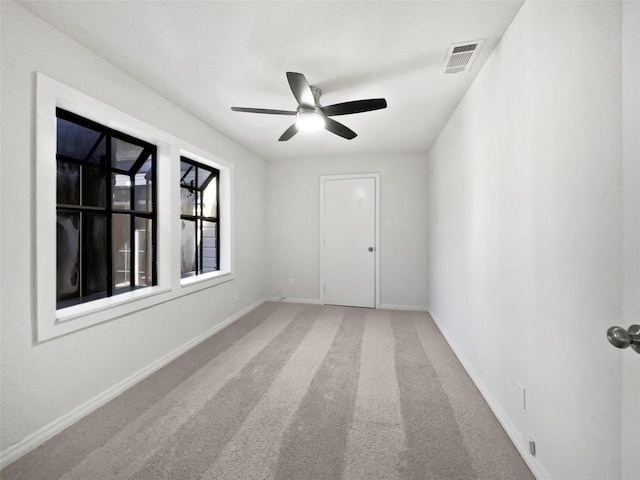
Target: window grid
198, 218
107, 172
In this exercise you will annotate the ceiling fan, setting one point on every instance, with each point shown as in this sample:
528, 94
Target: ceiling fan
311, 115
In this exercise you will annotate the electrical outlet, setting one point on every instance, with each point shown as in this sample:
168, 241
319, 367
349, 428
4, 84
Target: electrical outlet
532, 446
522, 395
291, 282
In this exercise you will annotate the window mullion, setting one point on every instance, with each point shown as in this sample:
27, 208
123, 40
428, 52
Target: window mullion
79, 208
109, 220
83, 254
217, 180
198, 225
83, 240
133, 249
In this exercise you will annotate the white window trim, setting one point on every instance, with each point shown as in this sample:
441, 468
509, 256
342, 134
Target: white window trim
51, 323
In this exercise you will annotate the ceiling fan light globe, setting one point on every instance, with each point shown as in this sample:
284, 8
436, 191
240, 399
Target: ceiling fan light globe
310, 121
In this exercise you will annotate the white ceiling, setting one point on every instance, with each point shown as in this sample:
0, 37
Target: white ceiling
208, 56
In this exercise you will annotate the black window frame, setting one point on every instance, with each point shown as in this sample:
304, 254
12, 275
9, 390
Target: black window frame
105, 167
199, 218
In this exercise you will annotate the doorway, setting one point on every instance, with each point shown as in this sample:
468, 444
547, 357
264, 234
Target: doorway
349, 240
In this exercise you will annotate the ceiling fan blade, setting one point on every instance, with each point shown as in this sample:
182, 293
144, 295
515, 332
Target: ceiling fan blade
339, 129
263, 110
356, 106
301, 89
288, 133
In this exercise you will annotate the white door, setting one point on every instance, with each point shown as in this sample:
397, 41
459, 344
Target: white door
631, 236
348, 240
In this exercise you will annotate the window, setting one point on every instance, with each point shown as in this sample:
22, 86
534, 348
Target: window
105, 211
199, 215
107, 195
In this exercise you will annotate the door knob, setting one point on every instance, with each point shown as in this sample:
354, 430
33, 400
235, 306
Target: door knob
371, 249
621, 338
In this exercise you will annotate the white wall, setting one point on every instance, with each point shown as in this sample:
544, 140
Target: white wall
41, 383
294, 225
525, 242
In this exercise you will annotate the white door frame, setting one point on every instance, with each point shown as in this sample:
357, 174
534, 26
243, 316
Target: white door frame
376, 177
630, 370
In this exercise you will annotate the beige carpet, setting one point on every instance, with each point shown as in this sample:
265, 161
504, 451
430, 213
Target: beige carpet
293, 392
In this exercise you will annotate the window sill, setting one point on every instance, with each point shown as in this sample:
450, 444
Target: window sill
206, 280
85, 315
104, 304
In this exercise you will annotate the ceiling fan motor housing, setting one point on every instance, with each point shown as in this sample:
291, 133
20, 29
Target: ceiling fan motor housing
311, 119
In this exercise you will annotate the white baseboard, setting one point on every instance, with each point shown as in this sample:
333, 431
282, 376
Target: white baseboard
311, 301
14, 452
314, 301
410, 308
534, 465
